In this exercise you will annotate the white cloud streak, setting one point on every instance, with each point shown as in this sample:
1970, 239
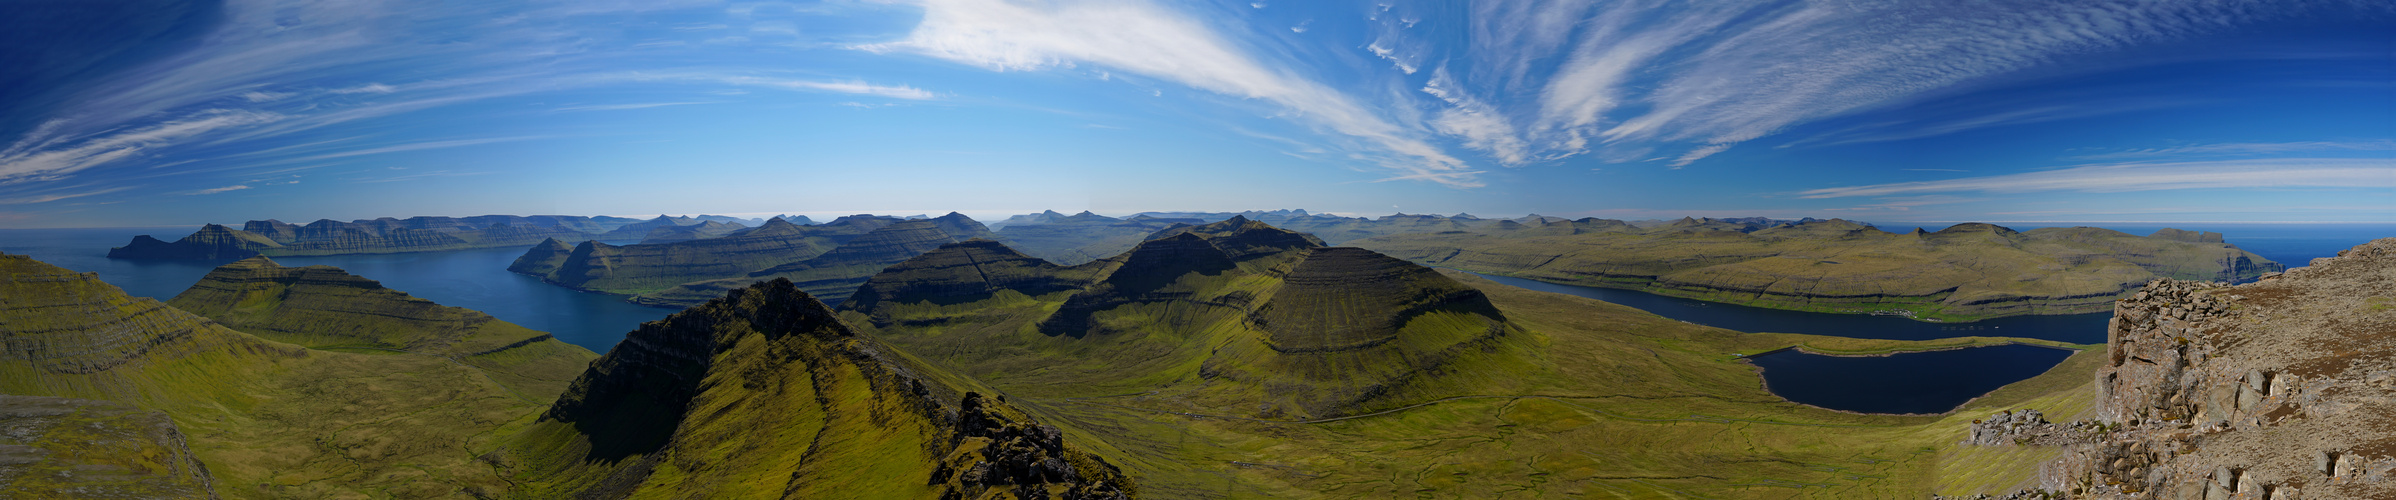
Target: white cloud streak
236, 187
1142, 38
2363, 173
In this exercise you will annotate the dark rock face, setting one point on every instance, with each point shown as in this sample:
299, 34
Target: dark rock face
1340, 299
66, 448
211, 243
2274, 389
1145, 269
1017, 451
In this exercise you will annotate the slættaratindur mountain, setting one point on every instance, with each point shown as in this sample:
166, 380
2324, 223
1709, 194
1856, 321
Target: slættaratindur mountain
1961, 273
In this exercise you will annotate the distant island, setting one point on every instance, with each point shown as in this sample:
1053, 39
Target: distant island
274, 238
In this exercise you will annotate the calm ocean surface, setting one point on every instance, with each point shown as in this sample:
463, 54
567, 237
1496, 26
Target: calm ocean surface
473, 279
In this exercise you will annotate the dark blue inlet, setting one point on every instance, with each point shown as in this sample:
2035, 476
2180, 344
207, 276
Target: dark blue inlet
2073, 328
1920, 382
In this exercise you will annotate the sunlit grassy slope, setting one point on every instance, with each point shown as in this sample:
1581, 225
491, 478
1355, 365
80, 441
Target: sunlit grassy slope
763, 394
270, 420
322, 307
1185, 381
1965, 272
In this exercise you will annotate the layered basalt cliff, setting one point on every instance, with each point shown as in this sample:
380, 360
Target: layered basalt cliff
835, 274
385, 235
1964, 272
59, 322
2279, 389
762, 393
645, 268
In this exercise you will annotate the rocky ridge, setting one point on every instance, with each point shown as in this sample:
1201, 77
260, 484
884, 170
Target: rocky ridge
2271, 390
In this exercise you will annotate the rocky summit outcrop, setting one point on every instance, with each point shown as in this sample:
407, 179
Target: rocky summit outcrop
1964, 272
2278, 389
64, 448
762, 393
835, 274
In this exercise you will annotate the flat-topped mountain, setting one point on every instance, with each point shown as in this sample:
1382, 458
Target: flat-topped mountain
1964, 272
833, 275
762, 393
322, 307
385, 235
645, 268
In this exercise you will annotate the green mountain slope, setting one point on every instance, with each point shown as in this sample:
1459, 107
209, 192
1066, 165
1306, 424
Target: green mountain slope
762, 393
1965, 272
1317, 372
835, 274
269, 420
321, 307
79, 448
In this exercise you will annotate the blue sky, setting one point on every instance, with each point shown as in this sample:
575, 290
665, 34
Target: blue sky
167, 113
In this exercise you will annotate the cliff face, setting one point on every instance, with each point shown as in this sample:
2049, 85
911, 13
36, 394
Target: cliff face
385, 235
2278, 389
762, 393
835, 274
211, 243
1965, 272
644, 268
322, 307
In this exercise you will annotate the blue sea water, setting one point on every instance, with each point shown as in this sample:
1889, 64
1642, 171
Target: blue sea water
473, 279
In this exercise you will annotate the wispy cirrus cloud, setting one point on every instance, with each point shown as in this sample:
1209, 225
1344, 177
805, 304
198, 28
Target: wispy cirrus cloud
1153, 41
46, 155
1704, 77
2247, 148
46, 198
2364, 173
236, 187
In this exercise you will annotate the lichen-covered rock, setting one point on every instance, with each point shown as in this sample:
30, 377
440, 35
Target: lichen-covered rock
63, 448
2268, 390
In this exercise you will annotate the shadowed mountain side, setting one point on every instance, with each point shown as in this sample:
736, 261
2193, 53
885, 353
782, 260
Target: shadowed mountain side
762, 393
965, 272
1344, 298
323, 307
1965, 272
1075, 239
270, 420
705, 229
1240, 238
542, 257
645, 268
61, 448
835, 274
